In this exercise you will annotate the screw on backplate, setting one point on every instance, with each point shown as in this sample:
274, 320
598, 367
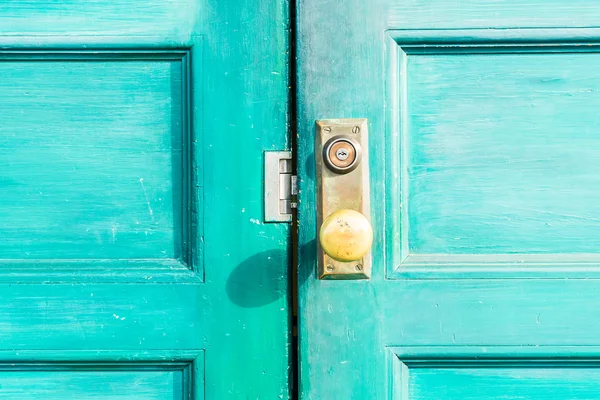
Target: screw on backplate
356, 129
358, 267
327, 129
329, 267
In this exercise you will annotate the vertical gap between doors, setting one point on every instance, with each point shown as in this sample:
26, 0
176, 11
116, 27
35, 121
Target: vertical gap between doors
293, 129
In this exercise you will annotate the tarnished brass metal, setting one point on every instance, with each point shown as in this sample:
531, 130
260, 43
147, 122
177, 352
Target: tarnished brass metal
345, 233
342, 154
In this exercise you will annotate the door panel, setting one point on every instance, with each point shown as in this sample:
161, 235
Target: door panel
534, 193
131, 233
97, 146
441, 378
483, 143
160, 380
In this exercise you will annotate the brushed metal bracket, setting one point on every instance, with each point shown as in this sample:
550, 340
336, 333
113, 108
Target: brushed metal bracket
342, 184
280, 186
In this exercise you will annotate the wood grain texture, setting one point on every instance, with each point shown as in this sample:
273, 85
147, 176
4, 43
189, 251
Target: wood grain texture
493, 373
484, 179
445, 14
116, 158
91, 384
120, 17
546, 174
96, 97
501, 383
528, 116
145, 375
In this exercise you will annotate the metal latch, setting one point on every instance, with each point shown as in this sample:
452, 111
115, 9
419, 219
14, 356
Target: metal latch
281, 186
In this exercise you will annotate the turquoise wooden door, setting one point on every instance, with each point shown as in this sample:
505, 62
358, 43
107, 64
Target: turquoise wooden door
134, 261
484, 141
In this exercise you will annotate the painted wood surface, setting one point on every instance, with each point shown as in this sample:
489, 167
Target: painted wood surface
156, 385
104, 374
96, 147
484, 140
134, 262
472, 383
517, 375
484, 179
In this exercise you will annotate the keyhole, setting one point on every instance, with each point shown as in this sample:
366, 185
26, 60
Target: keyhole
341, 154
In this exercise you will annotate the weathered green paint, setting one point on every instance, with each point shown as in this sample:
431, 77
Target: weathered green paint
484, 199
133, 258
154, 375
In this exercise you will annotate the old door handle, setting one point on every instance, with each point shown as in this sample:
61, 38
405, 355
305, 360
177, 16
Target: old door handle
346, 235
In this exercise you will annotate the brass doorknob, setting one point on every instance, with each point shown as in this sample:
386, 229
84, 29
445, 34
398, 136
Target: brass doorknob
346, 235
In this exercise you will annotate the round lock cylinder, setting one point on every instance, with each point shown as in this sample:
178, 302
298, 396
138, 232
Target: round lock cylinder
342, 154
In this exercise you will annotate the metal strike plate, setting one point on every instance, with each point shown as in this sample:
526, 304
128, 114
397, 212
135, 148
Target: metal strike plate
280, 186
343, 185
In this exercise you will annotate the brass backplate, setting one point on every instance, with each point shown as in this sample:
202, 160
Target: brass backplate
337, 191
